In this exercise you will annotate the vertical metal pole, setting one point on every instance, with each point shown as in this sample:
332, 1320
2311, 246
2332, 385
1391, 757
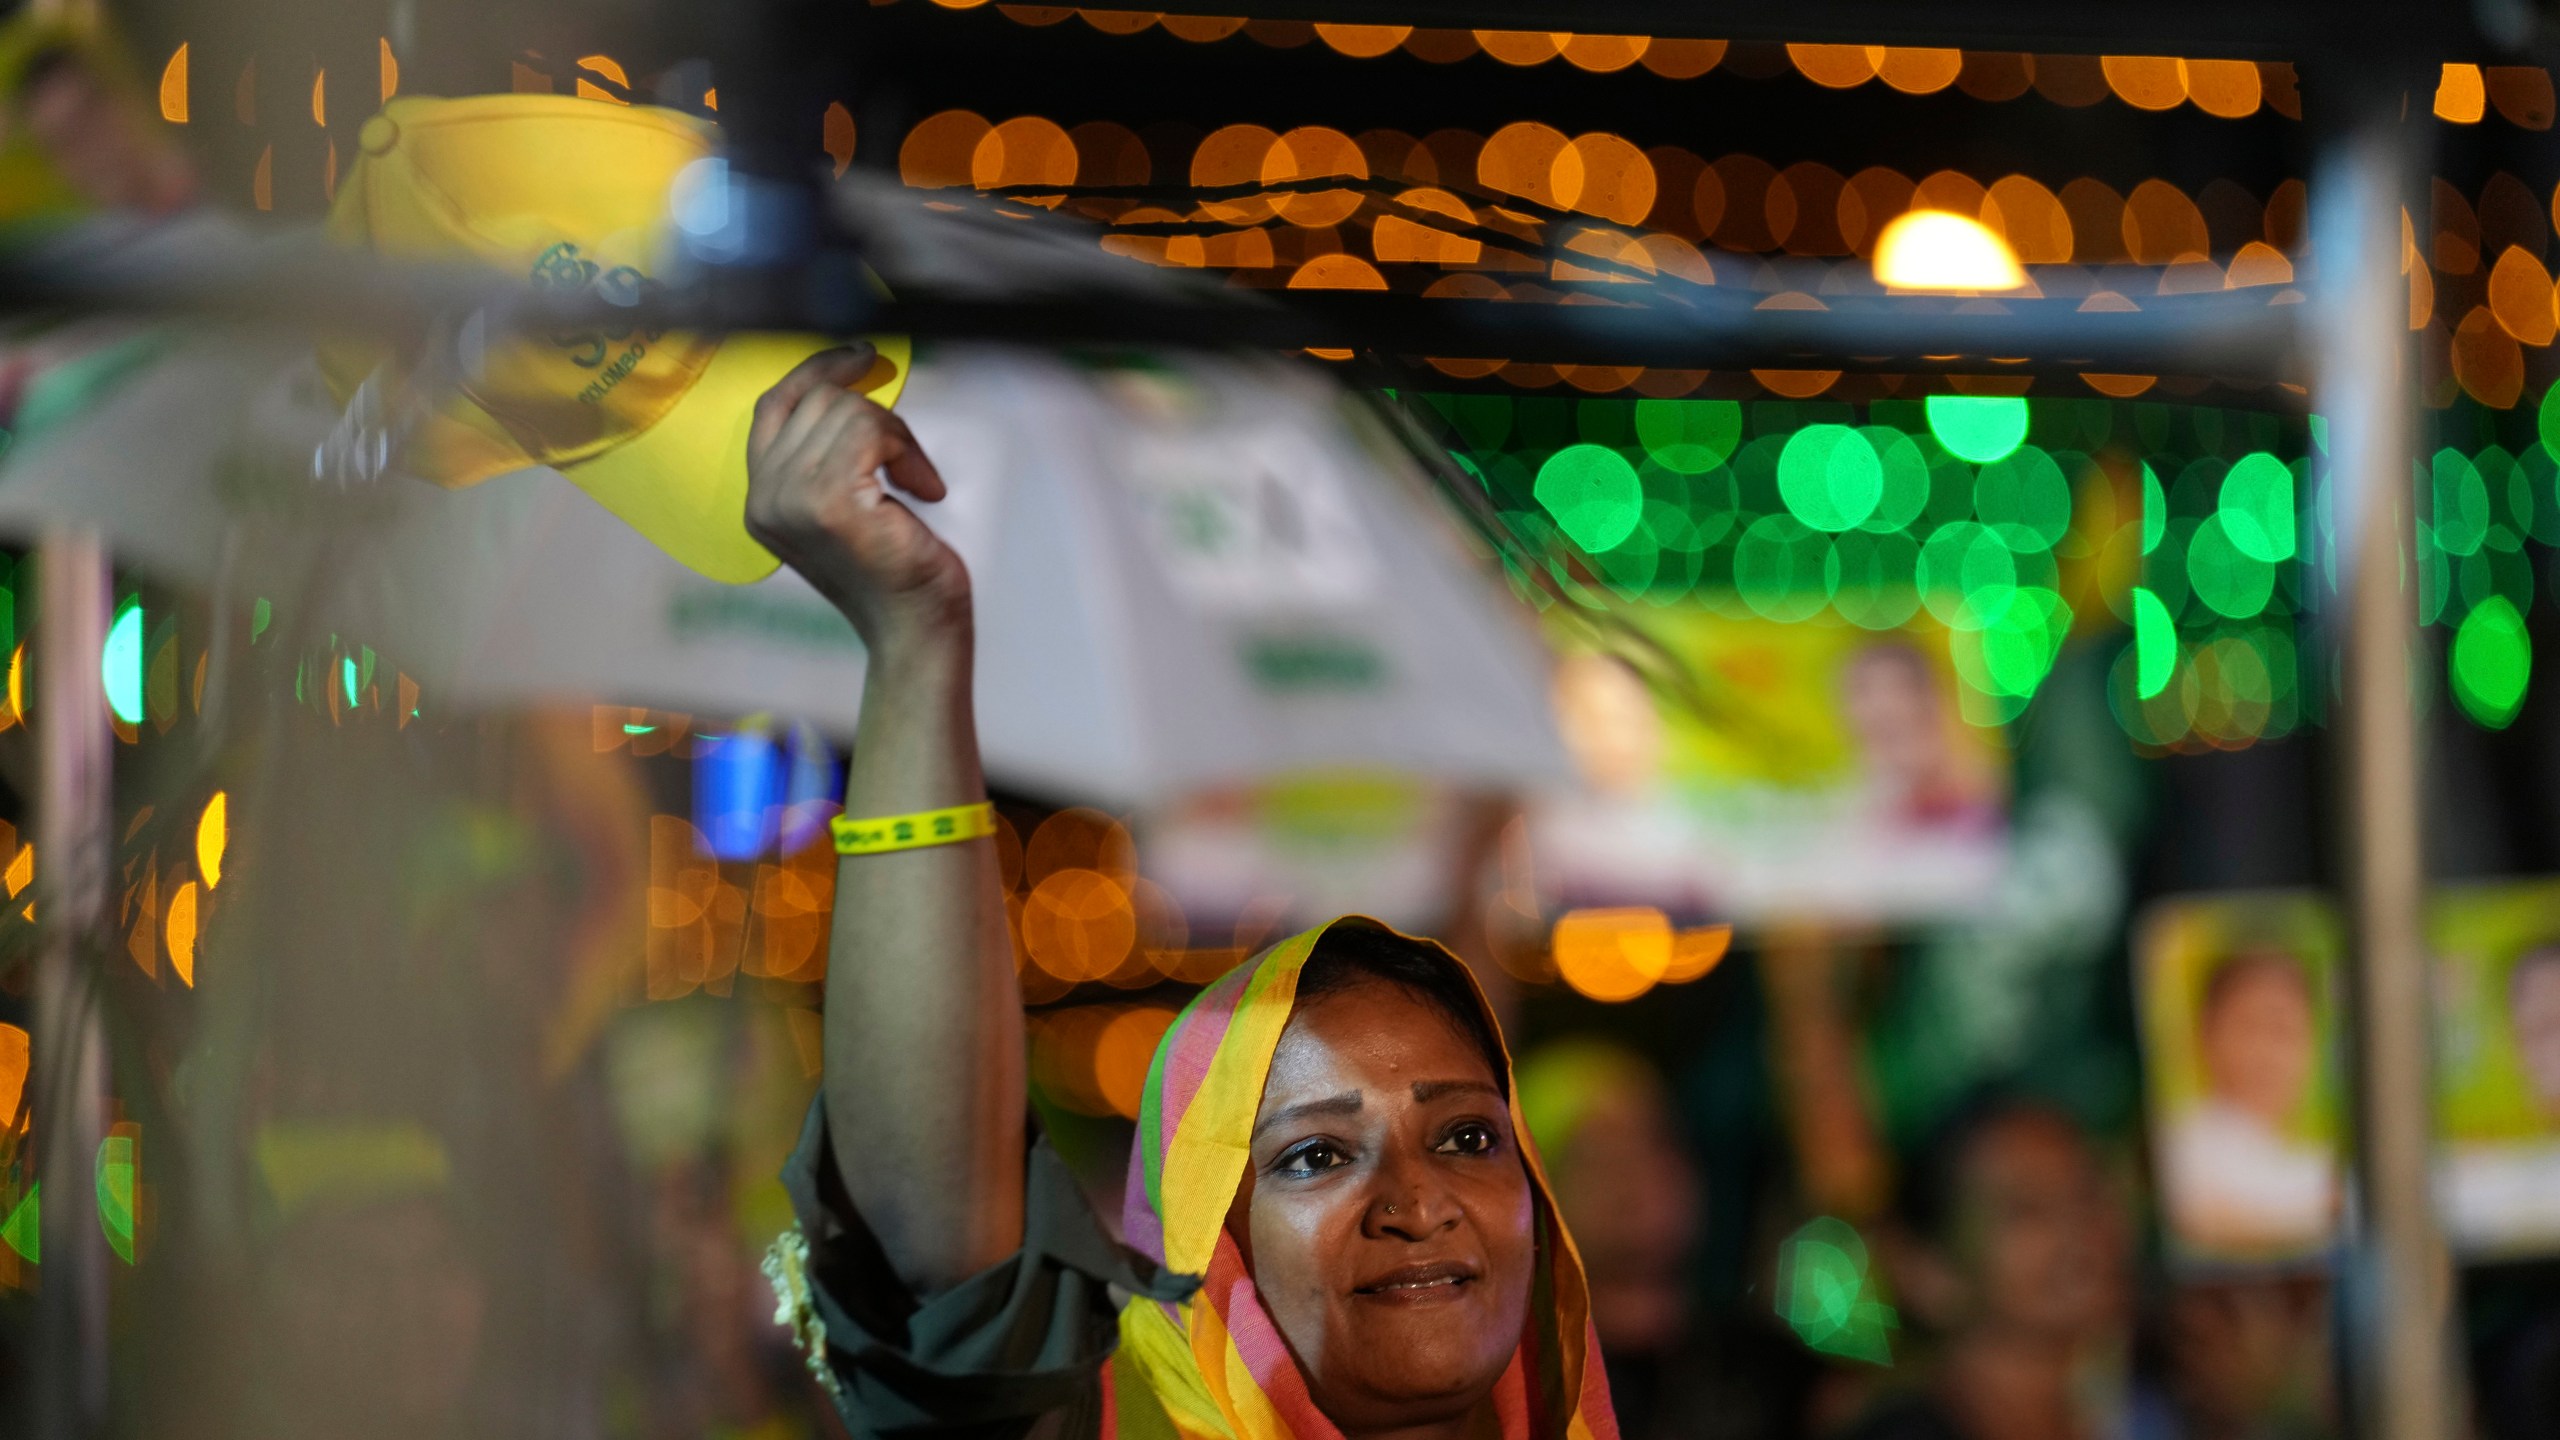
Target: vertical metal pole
2396, 1283
74, 751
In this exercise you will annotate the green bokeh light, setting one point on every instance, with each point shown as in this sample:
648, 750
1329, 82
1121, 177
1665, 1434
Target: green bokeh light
2230, 581
2025, 497
1784, 569
120, 664
2491, 663
2016, 648
2155, 643
1690, 436
2548, 421
1905, 470
2257, 507
1593, 494
1876, 590
1966, 575
23, 1231
1824, 1294
2461, 512
2155, 510
115, 1194
1830, 477
1980, 428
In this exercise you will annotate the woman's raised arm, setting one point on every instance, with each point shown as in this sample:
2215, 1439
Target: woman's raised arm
924, 1042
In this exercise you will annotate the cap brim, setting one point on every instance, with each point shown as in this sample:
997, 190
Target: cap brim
683, 481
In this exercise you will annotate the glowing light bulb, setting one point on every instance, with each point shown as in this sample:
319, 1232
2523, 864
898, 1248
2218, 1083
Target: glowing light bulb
1941, 250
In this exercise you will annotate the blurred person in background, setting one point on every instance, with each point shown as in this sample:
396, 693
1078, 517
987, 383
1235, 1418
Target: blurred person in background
1333, 1224
2247, 1357
2014, 1256
2235, 1177
1633, 1198
2533, 1009
1918, 772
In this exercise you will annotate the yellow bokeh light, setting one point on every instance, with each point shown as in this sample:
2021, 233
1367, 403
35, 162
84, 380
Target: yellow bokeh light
320, 98
213, 836
21, 872
2462, 96
173, 87
1939, 250
1613, 955
182, 932
390, 71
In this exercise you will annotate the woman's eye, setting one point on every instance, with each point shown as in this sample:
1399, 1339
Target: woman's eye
1307, 1159
1472, 1138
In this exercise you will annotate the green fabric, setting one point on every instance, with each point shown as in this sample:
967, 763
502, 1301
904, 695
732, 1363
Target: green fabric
1021, 1342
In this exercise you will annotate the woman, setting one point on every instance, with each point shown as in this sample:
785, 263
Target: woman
1334, 1226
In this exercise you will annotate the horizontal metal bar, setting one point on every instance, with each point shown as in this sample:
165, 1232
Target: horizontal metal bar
2248, 29
302, 283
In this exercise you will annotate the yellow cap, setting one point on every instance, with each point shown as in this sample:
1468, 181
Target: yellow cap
575, 196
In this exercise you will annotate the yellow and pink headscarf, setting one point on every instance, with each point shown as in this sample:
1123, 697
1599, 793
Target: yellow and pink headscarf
1213, 1367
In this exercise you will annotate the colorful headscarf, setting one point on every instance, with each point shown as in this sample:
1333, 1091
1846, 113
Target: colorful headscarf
1214, 1367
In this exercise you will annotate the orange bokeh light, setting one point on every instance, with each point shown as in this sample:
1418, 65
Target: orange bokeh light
1520, 159
1025, 150
1604, 175
1314, 152
938, 152
1613, 955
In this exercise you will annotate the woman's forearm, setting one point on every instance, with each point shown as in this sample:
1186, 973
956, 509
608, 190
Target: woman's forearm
924, 1036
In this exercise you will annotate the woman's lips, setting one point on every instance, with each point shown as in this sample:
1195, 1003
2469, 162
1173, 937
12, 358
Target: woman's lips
1423, 1283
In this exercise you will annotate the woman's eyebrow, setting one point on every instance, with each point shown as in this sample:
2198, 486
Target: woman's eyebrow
1425, 1091
1347, 1103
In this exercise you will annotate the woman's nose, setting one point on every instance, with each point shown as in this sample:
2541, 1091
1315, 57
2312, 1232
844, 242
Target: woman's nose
1409, 1204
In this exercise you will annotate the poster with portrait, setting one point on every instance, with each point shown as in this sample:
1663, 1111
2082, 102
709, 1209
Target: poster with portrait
2497, 1005
1812, 770
2239, 1017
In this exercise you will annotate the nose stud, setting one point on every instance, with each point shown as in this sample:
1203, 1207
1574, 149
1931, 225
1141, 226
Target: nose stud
1391, 1209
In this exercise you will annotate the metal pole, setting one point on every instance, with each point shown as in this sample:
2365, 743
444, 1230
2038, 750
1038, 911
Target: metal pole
74, 754
2396, 1280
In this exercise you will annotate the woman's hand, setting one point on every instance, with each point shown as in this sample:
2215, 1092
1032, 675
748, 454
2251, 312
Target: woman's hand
816, 497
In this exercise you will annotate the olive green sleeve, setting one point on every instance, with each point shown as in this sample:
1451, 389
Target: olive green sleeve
1023, 1340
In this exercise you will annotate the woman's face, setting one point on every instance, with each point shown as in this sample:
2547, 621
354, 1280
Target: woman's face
2260, 1042
1385, 1214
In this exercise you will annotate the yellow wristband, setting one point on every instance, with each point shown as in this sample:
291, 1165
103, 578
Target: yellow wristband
913, 832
